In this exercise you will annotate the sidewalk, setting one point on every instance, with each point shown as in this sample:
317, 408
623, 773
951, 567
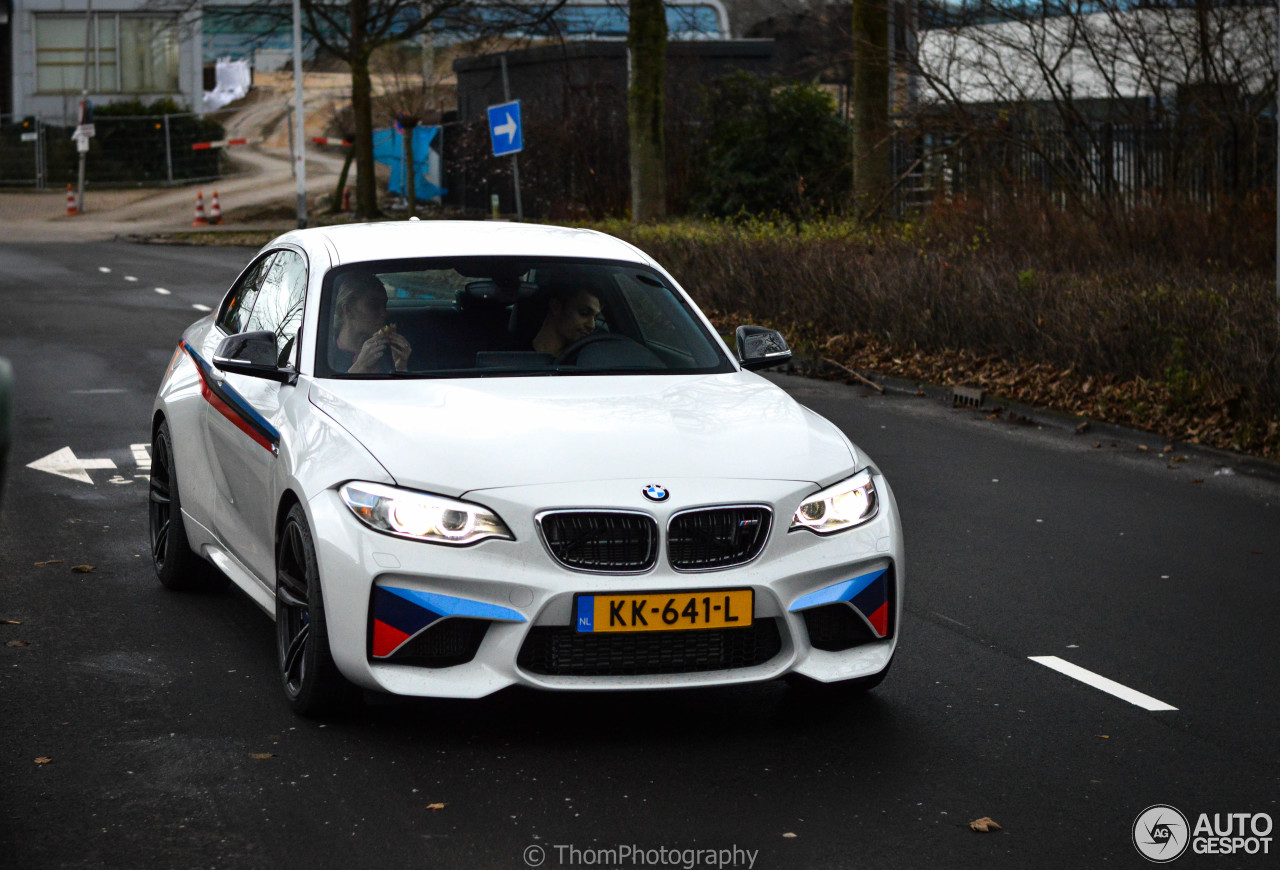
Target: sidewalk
265, 179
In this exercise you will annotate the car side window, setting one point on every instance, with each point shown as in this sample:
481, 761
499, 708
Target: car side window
234, 316
280, 302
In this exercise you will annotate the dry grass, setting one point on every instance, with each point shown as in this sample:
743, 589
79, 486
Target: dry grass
1165, 318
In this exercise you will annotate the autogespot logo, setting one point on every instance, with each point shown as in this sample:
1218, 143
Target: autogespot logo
1160, 833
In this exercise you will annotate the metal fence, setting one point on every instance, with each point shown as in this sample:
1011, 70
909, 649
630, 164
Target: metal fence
124, 151
1124, 163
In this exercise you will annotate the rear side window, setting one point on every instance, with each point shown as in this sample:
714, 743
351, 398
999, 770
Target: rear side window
239, 303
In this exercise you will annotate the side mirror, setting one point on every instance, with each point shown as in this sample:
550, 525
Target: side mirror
761, 348
252, 354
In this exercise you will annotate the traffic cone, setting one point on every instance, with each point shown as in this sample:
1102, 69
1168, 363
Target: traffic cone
215, 210
346, 199
71, 202
201, 220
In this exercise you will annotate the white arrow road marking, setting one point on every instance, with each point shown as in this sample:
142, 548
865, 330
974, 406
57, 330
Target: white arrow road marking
509, 128
141, 456
1111, 687
65, 464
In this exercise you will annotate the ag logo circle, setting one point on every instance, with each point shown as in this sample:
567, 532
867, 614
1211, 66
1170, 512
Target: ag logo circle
1160, 833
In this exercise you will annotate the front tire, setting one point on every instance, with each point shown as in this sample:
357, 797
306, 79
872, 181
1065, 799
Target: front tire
311, 681
177, 565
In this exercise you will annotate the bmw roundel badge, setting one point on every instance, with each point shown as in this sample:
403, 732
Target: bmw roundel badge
653, 492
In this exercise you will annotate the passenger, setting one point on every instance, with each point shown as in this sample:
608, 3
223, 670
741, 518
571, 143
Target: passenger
363, 342
571, 316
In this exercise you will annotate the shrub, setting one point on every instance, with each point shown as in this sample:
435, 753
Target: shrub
769, 149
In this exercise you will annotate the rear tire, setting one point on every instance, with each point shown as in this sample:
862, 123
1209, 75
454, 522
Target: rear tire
312, 683
177, 565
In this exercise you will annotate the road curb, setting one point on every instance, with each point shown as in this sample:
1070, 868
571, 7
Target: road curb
1022, 414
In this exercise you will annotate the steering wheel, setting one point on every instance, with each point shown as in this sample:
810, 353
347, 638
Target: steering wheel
574, 349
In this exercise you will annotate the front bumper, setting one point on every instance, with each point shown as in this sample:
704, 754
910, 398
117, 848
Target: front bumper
519, 600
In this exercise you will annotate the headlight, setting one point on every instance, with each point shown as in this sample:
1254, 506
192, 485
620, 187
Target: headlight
422, 517
849, 503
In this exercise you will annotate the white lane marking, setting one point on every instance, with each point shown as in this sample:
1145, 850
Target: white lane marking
198, 307
64, 463
1111, 687
110, 392
163, 292
103, 269
949, 619
130, 278
141, 456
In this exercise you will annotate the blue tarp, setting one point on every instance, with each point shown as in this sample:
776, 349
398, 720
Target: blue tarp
388, 150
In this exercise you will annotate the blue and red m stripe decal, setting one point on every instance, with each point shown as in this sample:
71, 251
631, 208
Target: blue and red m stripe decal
230, 404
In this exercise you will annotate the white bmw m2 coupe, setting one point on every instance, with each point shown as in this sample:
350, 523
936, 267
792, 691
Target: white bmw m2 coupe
451, 457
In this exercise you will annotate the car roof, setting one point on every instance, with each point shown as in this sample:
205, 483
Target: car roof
354, 243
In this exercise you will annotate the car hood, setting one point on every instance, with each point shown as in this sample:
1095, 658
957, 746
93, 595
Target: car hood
454, 436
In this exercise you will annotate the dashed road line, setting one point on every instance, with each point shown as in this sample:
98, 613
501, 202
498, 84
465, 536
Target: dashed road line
1111, 687
130, 278
198, 307
103, 269
164, 292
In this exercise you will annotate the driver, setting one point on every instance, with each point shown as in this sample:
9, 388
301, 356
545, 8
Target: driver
363, 342
571, 316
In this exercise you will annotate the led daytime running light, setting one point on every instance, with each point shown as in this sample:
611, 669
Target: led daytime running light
848, 504
420, 516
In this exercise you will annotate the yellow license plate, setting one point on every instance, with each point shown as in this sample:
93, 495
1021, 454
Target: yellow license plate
664, 611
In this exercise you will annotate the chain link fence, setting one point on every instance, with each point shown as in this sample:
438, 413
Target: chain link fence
126, 150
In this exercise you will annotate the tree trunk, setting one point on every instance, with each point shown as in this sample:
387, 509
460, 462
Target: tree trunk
646, 108
870, 104
362, 110
335, 205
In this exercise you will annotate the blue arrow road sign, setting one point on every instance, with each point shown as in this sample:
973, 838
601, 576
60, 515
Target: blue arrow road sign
505, 130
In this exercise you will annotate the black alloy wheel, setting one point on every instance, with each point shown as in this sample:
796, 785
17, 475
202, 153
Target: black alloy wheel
177, 565
312, 683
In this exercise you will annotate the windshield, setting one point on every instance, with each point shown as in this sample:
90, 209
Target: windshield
502, 316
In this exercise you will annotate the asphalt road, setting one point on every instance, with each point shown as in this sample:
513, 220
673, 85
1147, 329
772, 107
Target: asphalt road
168, 743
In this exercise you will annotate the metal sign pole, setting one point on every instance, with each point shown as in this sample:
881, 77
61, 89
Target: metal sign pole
84, 98
515, 158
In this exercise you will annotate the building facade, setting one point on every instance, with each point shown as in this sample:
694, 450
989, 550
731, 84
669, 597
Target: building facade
135, 52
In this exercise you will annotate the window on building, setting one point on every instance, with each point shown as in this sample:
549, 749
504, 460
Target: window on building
129, 54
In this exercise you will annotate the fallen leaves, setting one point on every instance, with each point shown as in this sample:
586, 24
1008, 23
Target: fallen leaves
261, 756
984, 825
44, 759
436, 807
82, 569
9, 622
17, 643
48, 562
789, 836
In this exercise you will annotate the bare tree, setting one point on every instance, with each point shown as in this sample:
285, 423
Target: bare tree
1108, 98
353, 30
